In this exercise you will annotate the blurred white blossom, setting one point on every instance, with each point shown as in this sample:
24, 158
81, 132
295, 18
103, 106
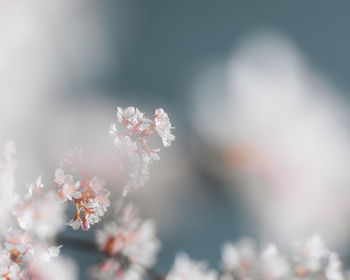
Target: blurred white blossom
278, 129
307, 260
130, 243
186, 269
43, 216
7, 180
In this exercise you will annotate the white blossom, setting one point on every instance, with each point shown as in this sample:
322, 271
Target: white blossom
333, 270
163, 127
311, 260
8, 268
239, 257
131, 239
19, 245
54, 269
132, 144
43, 216
186, 269
112, 269
312, 253
36, 186
273, 265
89, 195
74, 223
70, 190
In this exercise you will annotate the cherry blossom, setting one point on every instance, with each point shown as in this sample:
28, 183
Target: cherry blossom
69, 190
113, 269
163, 127
186, 269
40, 268
8, 268
333, 270
43, 216
35, 186
19, 245
37, 218
273, 265
91, 204
240, 259
130, 244
309, 260
89, 195
313, 257
132, 143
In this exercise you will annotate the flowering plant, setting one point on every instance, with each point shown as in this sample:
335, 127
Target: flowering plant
128, 244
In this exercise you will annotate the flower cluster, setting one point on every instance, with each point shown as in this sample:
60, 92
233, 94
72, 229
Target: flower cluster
130, 245
26, 242
20, 252
309, 260
41, 214
131, 141
89, 194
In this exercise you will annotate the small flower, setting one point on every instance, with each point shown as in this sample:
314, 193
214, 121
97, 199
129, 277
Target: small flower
113, 131
36, 187
74, 223
311, 254
272, 264
53, 269
8, 268
239, 258
230, 257
90, 198
54, 251
163, 127
70, 189
97, 184
93, 214
130, 239
112, 269
184, 268
43, 216
102, 198
132, 118
333, 270
19, 245
60, 178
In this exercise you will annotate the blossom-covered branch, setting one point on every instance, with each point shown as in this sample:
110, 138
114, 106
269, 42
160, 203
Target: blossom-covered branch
128, 244
27, 250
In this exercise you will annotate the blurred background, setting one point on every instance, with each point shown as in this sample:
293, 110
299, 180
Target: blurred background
258, 92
